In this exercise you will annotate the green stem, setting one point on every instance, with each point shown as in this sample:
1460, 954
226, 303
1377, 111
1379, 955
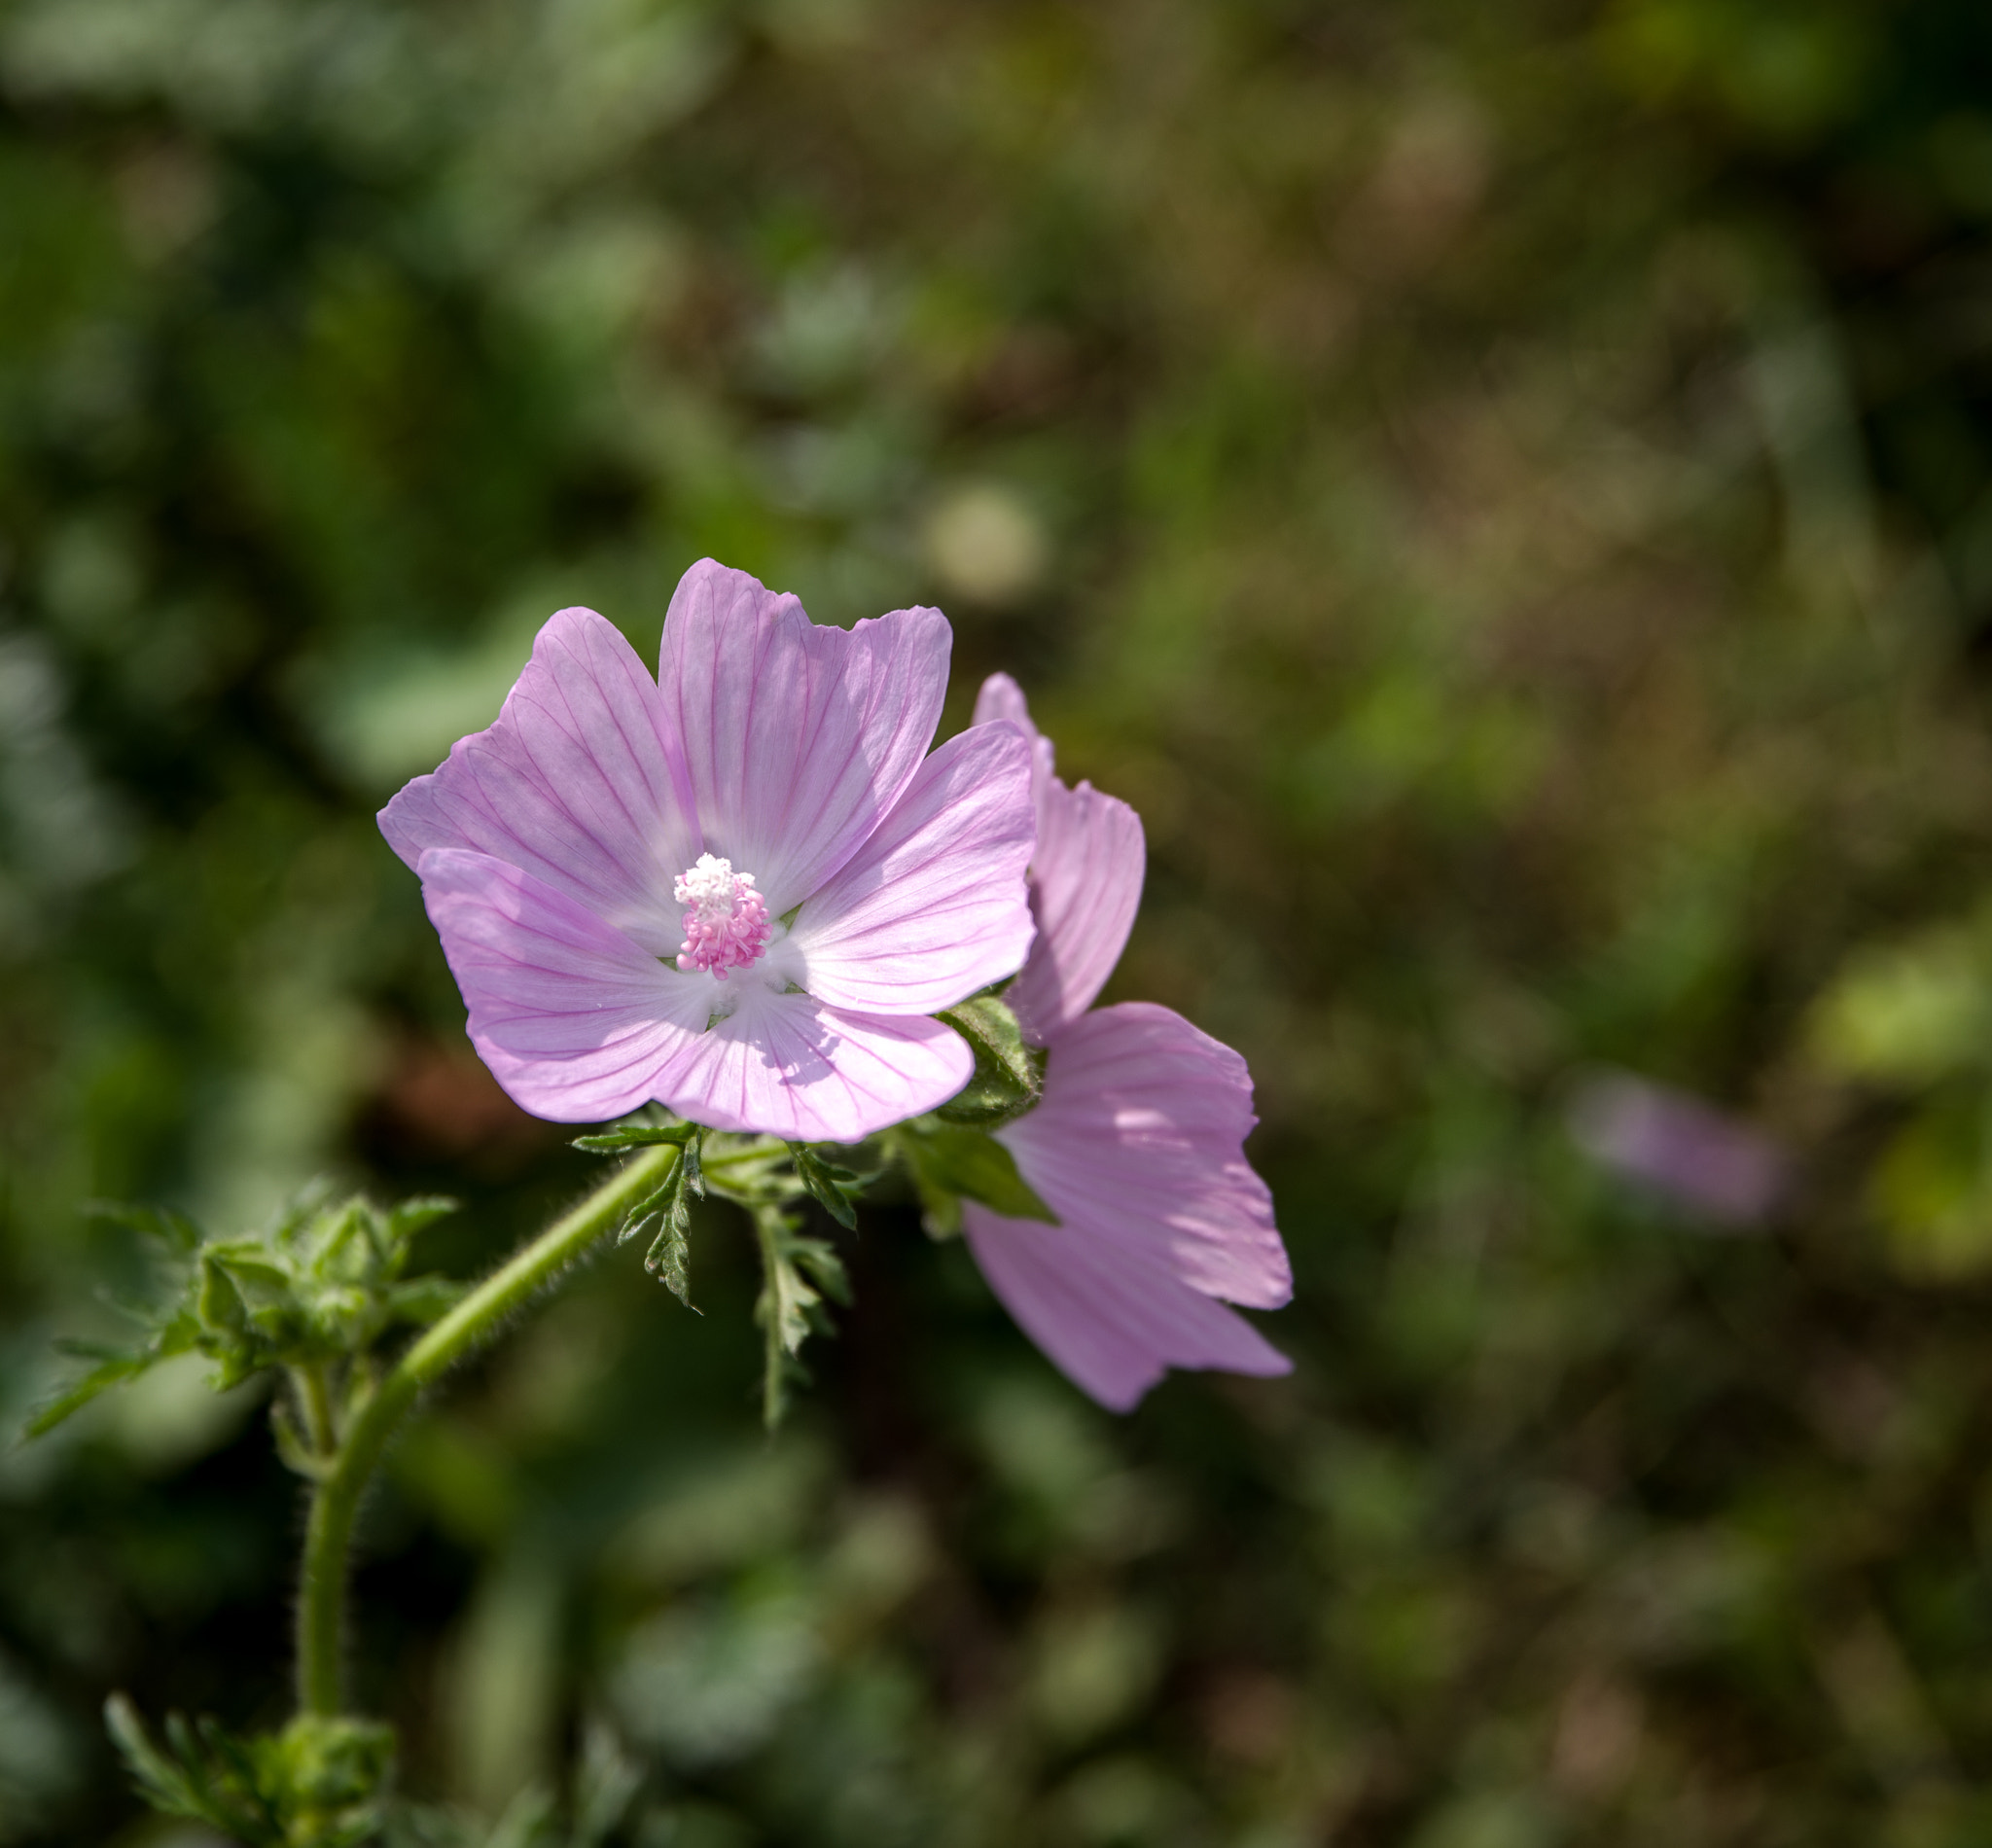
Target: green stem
316, 1401
336, 1497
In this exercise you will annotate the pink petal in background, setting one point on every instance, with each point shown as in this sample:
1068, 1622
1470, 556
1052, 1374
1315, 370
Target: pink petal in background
1086, 881
1139, 1140
1111, 1319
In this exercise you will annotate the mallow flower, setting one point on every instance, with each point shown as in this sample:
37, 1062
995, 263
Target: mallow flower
740, 889
1137, 1140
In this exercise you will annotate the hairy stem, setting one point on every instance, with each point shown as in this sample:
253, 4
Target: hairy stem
336, 1499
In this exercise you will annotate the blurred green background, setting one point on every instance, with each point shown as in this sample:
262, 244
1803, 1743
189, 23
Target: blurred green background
1505, 489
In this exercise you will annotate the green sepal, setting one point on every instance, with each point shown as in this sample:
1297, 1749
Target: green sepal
834, 1188
951, 1163
1009, 1077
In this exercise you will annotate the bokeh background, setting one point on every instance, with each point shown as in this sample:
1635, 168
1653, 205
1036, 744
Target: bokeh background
1506, 489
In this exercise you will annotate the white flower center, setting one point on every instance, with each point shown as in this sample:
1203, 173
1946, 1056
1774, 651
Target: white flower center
726, 920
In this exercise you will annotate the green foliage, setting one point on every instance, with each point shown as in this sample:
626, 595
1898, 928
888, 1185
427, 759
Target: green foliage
798, 1273
1502, 490
832, 1186
950, 1163
664, 1217
642, 1134
318, 1784
322, 1285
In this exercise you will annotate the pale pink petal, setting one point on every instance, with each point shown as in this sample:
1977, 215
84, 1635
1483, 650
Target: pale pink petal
933, 907
1086, 880
798, 737
1085, 888
1000, 698
576, 1022
579, 783
1138, 1146
784, 1065
1112, 1319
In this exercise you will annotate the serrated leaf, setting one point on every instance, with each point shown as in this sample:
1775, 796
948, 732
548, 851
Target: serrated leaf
113, 1371
669, 1258
664, 1217
1008, 1075
829, 1186
175, 1231
950, 1158
795, 1275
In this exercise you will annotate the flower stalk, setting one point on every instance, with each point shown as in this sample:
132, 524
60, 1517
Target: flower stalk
338, 1492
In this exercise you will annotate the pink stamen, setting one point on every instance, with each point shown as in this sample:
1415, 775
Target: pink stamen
726, 920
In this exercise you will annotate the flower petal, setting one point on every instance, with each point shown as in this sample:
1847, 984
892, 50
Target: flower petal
1085, 888
1113, 1321
933, 904
1001, 697
579, 783
784, 1065
1086, 880
798, 737
1138, 1143
576, 1022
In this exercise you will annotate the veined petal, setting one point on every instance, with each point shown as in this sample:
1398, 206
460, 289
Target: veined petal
1086, 880
933, 907
1085, 888
1001, 697
1138, 1146
797, 737
576, 1022
785, 1065
1111, 1320
579, 783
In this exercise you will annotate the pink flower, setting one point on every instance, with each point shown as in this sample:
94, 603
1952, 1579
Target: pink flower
1138, 1141
737, 890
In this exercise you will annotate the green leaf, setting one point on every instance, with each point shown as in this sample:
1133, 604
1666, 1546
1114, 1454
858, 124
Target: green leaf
316, 1785
833, 1187
797, 1273
664, 1217
177, 1334
174, 1230
669, 1257
639, 1136
320, 1287
951, 1162
114, 1372
409, 1217
1008, 1075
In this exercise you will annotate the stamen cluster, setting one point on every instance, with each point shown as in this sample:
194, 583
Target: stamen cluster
726, 920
